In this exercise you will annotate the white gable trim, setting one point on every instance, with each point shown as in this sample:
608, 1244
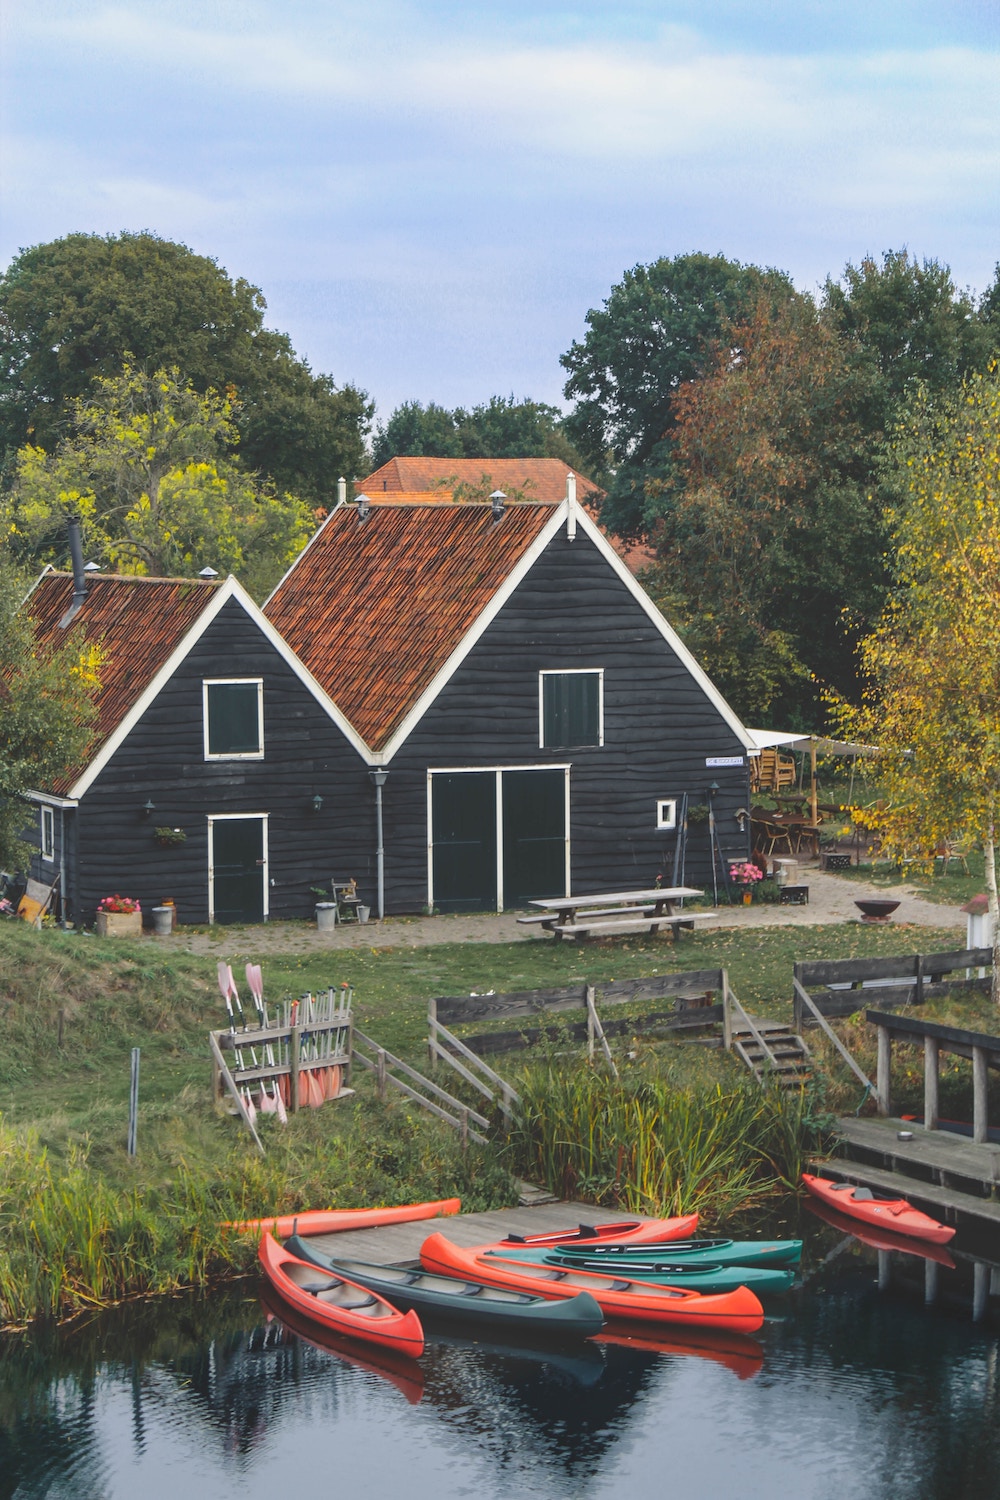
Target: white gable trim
444, 675
639, 594
221, 596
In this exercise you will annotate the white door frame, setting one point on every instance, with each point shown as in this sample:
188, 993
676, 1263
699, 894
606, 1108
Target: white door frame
214, 818
498, 771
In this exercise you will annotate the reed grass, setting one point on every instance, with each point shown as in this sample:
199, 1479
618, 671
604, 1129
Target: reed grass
647, 1146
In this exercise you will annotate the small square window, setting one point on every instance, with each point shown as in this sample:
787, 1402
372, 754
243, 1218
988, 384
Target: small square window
234, 720
48, 838
572, 709
666, 812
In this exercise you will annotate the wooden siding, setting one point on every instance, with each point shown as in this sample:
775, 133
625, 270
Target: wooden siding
163, 760
573, 611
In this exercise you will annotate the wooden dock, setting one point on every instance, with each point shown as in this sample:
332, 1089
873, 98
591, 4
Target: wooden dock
954, 1177
399, 1244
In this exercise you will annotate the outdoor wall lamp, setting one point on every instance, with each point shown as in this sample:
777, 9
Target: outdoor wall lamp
741, 814
317, 803
148, 807
713, 787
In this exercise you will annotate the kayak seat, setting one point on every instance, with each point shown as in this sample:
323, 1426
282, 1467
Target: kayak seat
515, 1239
863, 1195
588, 1232
619, 1286
347, 1297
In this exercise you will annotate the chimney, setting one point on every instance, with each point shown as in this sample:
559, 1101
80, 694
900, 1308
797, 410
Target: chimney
364, 507
497, 502
341, 490
571, 507
79, 576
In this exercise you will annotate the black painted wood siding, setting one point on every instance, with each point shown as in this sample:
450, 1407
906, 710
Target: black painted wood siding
573, 611
163, 760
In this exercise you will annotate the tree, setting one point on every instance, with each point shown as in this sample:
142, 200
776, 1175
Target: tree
932, 701
764, 535
499, 428
46, 712
81, 306
653, 334
150, 472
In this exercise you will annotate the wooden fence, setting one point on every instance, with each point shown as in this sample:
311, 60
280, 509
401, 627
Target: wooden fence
835, 985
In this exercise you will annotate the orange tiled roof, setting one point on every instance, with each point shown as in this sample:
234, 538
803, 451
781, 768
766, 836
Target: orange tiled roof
139, 622
375, 608
540, 478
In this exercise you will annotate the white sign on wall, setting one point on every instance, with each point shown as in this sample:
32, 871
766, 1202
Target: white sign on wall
724, 760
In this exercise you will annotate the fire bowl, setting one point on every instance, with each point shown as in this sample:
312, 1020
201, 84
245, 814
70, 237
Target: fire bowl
876, 911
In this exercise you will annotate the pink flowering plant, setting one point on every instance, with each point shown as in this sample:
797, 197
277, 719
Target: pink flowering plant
119, 904
745, 873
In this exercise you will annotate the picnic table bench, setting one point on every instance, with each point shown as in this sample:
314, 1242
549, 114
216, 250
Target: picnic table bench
607, 913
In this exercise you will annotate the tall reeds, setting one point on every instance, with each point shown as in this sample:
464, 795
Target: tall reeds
651, 1147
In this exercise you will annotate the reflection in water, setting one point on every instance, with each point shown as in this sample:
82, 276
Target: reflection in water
855, 1393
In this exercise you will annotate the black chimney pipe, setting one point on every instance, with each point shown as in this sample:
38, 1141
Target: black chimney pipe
79, 576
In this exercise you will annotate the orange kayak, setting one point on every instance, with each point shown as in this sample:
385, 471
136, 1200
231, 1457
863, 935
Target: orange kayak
331, 1302
333, 1220
620, 1232
895, 1214
632, 1301
881, 1239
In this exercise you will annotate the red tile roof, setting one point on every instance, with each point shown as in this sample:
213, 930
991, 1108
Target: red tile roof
540, 478
375, 608
139, 623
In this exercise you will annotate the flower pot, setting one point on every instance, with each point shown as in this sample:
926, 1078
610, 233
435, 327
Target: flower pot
326, 915
119, 924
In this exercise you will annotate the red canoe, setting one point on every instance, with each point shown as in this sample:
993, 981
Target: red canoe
620, 1232
895, 1214
396, 1369
631, 1301
333, 1220
881, 1239
332, 1302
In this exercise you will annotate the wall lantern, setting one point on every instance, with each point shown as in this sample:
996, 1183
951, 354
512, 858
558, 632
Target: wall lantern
148, 807
317, 803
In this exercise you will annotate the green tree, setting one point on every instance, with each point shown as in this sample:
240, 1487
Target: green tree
150, 472
765, 538
499, 428
932, 699
655, 332
46, 712
82, 306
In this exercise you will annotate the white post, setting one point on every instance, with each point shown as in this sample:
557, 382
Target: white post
571, 507
341, 490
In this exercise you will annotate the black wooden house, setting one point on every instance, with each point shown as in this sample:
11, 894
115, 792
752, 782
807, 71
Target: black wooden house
532, 717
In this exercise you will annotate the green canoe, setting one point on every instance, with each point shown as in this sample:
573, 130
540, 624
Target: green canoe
694, 1253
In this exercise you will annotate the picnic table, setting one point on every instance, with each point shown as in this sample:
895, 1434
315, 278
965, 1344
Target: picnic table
607, 913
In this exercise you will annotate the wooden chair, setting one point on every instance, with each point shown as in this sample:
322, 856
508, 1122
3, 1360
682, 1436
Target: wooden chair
36, 901
770, 771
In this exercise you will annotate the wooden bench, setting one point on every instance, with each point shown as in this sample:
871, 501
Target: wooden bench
550, 919
630, 921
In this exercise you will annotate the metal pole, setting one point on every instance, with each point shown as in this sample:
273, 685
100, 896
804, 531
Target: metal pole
133, 1103
379, 774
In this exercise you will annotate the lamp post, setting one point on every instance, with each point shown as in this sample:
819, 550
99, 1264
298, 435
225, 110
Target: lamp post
379, 775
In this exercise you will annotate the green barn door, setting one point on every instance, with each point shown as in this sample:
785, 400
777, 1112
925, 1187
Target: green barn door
238, 870
534, 835
464, 840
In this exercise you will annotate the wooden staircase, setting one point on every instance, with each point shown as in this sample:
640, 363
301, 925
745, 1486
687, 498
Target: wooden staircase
772, 1051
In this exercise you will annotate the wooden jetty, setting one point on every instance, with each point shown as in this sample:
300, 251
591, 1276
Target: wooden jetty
399, 1244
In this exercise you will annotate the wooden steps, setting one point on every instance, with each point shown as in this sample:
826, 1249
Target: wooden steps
783, 1057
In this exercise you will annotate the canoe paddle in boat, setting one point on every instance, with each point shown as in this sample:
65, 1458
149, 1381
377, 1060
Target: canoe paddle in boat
618, 1232
706, 1252
333, 1220
883, 1210
618, 1297
431, 1295
335, 1303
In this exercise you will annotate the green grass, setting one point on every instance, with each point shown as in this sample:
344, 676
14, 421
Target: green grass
953, 889
83, 1223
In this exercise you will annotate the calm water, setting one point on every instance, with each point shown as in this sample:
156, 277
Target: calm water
848, 1391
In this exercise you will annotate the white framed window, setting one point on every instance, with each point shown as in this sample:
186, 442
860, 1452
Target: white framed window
234, 718
47, 842
666, 812
571, 708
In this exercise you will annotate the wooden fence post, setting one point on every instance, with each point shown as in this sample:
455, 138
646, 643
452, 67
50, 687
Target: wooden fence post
294, 1054
883, 1075
980, 1096
727, 1014
931, 1083
432, 1041
380, 1072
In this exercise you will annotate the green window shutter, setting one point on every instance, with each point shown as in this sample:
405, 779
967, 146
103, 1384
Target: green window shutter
571, 709
234, 726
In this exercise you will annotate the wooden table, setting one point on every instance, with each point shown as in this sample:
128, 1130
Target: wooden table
609, 912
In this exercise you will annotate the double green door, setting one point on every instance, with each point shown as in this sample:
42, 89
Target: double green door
498, 837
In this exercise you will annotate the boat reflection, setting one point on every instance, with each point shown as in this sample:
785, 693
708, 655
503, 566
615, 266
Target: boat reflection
405, 1374
737, 1351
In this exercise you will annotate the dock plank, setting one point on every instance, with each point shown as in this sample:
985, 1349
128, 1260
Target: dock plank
937, 1150
397, 1244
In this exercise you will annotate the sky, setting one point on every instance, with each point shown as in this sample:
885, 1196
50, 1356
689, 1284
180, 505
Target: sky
431, 195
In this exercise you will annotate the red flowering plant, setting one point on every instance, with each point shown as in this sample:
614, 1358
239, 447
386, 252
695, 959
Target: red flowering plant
745, 873
119, 904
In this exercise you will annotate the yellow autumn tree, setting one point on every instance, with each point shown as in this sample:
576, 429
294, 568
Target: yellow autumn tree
933, 663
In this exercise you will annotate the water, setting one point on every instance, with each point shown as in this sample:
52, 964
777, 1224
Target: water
848, 1391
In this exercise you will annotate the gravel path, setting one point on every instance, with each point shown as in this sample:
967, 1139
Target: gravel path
831, 900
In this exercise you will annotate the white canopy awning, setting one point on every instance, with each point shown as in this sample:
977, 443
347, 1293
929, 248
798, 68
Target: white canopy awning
771, 739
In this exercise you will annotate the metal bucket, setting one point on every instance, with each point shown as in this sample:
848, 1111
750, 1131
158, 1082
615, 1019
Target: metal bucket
163, 920
326, 915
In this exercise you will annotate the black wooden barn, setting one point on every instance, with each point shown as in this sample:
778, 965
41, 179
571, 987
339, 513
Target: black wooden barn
489, 686
533, 717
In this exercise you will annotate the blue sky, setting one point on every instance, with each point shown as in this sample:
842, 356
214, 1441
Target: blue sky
432, 194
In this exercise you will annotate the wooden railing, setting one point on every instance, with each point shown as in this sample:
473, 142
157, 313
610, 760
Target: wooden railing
731, 1007
804, 1003
385, 1066
921, 976
984, 1050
